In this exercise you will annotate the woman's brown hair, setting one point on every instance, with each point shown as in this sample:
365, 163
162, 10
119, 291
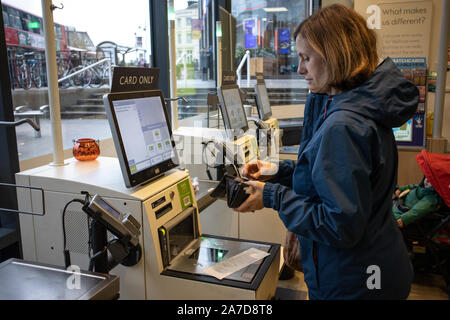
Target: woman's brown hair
349, 49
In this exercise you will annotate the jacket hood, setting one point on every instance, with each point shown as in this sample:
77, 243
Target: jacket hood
387, 97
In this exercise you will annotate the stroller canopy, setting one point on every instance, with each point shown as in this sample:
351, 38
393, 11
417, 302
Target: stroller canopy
436, 168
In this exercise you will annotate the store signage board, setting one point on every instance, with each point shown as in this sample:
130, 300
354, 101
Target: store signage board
33, 25
403, 28
228, 77
134, 79
412, 132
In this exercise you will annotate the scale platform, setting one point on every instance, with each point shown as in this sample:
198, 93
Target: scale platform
24, 280
206, 251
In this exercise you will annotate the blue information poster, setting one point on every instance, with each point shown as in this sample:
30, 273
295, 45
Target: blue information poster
412, 133
285, 41
250, 37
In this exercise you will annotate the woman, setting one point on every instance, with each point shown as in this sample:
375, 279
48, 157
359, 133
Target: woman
337, 197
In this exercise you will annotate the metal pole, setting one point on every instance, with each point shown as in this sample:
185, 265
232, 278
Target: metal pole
219, 54
173, 70
109, 73
239, 68
248, 69
185, 70
52, 76
441, 74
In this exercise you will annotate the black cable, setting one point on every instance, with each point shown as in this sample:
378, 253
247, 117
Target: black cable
208, 172
89, 223
91, 259
66, 252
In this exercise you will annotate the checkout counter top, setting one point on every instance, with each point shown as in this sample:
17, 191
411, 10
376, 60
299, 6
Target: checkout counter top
203, 195
24, 280
287, 123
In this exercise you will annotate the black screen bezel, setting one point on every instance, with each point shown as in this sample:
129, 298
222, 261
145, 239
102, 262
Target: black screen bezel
145, 175
263, 116
224, 109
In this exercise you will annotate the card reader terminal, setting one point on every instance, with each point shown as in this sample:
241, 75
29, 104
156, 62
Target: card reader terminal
121, 225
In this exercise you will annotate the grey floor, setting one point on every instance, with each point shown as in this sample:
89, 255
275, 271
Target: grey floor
424, 287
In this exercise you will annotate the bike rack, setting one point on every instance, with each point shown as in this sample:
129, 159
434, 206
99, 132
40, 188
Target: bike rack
19, 122
27, 71
89, 67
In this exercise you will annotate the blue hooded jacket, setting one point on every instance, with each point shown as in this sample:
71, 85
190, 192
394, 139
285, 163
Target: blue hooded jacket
338, 197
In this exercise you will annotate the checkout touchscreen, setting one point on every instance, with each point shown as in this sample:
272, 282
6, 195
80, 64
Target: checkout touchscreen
141, 132
232, 109
262, 102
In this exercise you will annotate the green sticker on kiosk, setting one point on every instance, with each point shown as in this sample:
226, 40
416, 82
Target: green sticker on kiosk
254, 147
184, 190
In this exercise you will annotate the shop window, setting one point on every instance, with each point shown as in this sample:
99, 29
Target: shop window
5, 19
195, 63
265, 28
79, 44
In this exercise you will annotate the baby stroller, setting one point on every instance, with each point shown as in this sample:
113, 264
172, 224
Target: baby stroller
428, 246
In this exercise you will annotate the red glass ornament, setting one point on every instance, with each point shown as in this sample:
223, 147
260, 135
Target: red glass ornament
86, 149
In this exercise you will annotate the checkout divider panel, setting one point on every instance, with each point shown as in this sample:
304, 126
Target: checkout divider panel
26, 221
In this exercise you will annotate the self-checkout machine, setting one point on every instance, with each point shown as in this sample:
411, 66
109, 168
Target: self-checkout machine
234, 144
264, 110
207, 147
212, 152
177, 258
263, 106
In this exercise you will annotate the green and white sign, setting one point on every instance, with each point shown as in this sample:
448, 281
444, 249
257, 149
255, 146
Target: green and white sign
184, 190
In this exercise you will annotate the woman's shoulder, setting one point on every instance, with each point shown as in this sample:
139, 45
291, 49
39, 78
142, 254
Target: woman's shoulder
352, 122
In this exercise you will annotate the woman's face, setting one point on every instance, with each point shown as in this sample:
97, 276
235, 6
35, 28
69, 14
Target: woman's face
312, 66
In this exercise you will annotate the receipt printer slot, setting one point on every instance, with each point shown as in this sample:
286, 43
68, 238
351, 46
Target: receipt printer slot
163, 210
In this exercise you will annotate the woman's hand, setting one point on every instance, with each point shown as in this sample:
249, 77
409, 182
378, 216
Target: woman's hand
396, 194
259, 170
400, 223
255, 200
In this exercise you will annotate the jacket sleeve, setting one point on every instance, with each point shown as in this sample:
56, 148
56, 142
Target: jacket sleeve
340, 174
422, 208
406, 187
284, 173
